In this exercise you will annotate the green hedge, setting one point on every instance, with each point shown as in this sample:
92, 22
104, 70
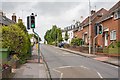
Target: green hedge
16, 39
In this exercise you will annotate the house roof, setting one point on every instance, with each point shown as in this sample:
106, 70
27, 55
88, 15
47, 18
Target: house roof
110, 12
5, 21
100, 12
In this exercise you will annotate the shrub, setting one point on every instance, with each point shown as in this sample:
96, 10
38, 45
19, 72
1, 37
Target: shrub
118, 44
76, 41
66, 46
16, 39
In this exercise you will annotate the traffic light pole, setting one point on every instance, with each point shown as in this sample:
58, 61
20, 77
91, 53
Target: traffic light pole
38, 45
94, 49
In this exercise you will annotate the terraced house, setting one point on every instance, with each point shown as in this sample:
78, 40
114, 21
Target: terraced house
111, 26
83, 31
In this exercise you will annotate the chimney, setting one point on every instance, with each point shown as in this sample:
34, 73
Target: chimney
14, 17
19, 20
92, 12
1, 13
4, 14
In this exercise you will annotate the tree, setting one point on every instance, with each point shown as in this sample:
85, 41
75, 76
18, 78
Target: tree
66, 36
53, 36
59, 35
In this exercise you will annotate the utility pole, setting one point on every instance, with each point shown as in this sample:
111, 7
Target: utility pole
89, 27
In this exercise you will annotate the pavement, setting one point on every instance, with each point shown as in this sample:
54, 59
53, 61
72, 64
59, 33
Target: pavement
106, 59
31, 69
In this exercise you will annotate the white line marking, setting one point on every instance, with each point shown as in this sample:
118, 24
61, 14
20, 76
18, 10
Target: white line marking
61, 74
64, 66
84, 67
99, 75
113, 66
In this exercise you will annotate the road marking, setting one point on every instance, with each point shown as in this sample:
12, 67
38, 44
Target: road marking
84, 67
61, 74
64, 66
112, 65
99, 75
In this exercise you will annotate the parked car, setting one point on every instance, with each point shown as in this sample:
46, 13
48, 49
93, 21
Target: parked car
61, 44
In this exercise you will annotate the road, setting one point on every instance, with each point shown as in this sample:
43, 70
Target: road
63, 64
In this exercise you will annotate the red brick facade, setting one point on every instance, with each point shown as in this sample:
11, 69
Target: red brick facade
84, 33
109, 23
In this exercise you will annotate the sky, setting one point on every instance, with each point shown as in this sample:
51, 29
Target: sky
52, 12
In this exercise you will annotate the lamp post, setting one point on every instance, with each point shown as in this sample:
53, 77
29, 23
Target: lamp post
89, 27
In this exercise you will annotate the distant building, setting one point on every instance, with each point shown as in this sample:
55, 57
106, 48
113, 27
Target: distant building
70, 32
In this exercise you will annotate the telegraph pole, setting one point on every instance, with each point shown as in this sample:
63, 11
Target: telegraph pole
89, 27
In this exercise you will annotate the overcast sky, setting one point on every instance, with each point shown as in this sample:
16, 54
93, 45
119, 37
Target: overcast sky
50, 12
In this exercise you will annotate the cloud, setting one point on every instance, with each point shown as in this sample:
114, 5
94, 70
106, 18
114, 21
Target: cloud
55, 12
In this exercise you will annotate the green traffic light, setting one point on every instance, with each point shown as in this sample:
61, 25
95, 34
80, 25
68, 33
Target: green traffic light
100, 32
32, 26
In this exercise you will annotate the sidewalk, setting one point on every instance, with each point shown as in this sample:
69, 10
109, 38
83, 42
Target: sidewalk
109, 60
31, 69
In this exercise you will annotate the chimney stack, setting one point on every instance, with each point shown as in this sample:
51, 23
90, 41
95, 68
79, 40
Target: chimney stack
92, 12
14, 17
1, 13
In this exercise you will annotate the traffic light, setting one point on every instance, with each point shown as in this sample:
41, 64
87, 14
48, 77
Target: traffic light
100, 29
28, 22
32, 19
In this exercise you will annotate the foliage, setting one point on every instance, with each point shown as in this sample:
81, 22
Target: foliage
66, 46
16, 38
22, 26
118, 44
66, 36
53, 36
76, 41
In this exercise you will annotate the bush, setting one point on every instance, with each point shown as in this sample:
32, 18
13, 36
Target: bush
76, 41
66, 46
16, 39
118, 44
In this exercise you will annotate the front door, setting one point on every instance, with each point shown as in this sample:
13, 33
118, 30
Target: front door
106, 39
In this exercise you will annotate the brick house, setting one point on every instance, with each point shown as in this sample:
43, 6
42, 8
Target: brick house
111, 26
83, 31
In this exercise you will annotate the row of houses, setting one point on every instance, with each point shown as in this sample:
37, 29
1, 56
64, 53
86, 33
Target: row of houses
108, 19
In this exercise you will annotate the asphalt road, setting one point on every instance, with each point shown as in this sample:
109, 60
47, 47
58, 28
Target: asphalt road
63, 64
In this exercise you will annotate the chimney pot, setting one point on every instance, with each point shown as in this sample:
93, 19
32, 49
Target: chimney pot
14, 17
92, 12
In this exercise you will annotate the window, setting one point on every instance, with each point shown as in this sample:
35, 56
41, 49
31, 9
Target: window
113, 35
